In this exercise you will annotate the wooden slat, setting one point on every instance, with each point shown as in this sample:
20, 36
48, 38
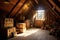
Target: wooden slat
17, 7
36, 1
54, 5
7, 6
20, 9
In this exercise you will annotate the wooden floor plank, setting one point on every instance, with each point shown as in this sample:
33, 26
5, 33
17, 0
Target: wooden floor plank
38, 35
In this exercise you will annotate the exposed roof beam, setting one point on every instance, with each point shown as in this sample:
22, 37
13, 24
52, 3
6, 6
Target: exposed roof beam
36, 1
17, 13
8, 15
17, 8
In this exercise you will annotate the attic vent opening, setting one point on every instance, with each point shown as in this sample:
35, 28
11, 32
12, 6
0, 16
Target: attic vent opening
40, 15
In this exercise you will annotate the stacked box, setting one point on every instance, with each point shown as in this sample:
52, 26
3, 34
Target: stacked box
11, 32
21, 27
8, 22
21, 30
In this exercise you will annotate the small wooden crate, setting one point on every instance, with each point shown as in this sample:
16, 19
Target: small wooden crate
11, 32
8, 22
21, 25
21, 30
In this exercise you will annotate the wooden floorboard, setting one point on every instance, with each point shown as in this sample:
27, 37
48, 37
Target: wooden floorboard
38, 35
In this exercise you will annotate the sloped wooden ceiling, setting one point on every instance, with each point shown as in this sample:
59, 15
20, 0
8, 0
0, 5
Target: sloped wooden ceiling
6, 6
18, 7
14, 7
25, 8
55, 6
51, 15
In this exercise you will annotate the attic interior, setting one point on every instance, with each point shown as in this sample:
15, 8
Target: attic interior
29, 19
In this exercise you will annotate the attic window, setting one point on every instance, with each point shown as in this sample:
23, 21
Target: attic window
40, 15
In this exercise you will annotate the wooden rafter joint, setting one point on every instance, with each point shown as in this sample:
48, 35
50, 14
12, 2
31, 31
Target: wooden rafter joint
36, 1
58, 0
55, 6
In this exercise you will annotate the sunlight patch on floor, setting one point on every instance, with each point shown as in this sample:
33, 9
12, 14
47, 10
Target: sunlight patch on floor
28, 32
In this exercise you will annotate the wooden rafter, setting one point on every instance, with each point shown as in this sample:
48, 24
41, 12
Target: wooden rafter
36, 1
18, 6
54, 5
17, 13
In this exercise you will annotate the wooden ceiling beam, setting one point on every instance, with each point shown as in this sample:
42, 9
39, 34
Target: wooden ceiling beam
36, 1
17, 8
8, 15
17, 13
32, 5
